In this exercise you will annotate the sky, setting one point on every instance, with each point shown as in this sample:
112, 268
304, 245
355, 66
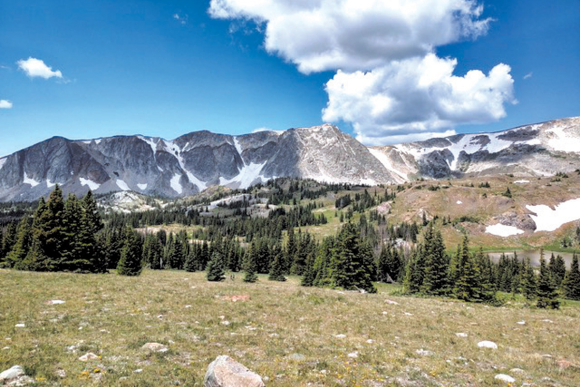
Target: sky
383, 71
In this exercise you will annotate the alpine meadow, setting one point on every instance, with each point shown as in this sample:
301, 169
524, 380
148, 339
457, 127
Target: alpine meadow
230, 193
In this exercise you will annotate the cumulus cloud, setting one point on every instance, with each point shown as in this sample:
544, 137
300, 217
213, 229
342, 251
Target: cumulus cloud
4, 104
389, 84
37, 68
416, 95
320, 35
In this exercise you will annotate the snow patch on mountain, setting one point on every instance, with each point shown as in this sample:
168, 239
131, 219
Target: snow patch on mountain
248, 175
92, 185
175, 185
521, 182
548, 219
387, 163
151, 142
173, 148
3, 161
50, 184
27, 180
563, 141
239, 149
142, 187
121, 184
502, 230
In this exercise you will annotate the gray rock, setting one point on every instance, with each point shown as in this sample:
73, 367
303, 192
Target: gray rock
154, 347
226, 372
11, 373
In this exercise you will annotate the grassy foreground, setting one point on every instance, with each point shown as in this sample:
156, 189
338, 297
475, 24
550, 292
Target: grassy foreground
285, 333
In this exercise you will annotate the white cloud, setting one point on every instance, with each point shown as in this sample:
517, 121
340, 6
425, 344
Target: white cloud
389, 85
417, 95
181, 19
320, 35
37, 68
4, 104
528, 75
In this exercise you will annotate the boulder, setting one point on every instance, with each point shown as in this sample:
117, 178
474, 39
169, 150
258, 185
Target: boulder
11, 374
88, 356
505, 378
226, 372
154, 347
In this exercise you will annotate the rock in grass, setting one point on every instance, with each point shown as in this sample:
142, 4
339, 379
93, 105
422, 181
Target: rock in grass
154, 347
226, 372
88, 356
11, 374
487, 344
505, 378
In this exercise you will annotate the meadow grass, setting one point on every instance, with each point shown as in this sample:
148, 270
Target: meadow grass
285, 333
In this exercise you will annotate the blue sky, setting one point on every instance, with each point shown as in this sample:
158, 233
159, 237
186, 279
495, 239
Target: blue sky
171, 67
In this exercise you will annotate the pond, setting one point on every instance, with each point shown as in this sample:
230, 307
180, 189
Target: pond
534, 256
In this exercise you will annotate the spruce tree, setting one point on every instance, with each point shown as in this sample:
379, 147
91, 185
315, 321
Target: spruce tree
8, 241
415, 271
309, 275
290, 251
467, 286
528, 283
216, 268
547, 295
130, 262
250, 266
52, 224
192, 260
383, 270
21, 246
436, 263
571, 283
36, 258
90, 226
276, 268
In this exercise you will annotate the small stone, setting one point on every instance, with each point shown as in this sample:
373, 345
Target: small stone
20, 326
504, 378
88, 356
461, 334
297, 357
384, 313
391, 302
187, 306
423, 352
5, 348
55, 302
154, 347
138, 371
225, 322
340, 336
370, 341
517, 371
487, 344
548, 321
11, 374
353, 355
226, 372
408, 314
521, 323
60, 373
563, 364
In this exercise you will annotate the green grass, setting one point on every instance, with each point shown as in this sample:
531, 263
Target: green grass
118, 315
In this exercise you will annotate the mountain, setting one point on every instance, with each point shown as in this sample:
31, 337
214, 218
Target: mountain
188, 164
542, 149
195, 161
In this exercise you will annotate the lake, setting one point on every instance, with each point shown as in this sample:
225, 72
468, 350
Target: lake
534, 256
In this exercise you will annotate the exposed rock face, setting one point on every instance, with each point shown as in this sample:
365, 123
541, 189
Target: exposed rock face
188, 164
532, 150
226, 372
195, 161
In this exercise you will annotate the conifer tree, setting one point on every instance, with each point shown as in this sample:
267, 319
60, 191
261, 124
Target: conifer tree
276, 268
571, 283
130, 262
309, 274
528, 283
216, 268
250, 266
467, 286
8, 241
547, 295
322, 262
436, 263
290, 251
383, 270
415, 271
192, 260
557, 267
153, 252
51, 222
36, 259
21, 246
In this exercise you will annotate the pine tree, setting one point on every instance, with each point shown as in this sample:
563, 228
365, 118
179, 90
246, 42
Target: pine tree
436, 263
415, 271
467, 286
383, 265
21, 246
36, 259
290, 251
557, 267
90, 226
571, 283
547, 295
52, 225
216, 268
309, 275
250, 266
8, 241
276, 268
130, 262
528, 283
192, 260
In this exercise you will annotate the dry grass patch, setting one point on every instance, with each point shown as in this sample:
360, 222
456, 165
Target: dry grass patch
291, 335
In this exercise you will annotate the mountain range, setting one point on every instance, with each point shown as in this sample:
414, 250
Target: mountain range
197, 160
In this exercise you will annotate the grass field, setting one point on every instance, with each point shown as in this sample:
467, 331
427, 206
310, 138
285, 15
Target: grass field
286, 333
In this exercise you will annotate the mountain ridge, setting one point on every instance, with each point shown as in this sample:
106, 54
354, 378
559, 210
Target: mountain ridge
194, 161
